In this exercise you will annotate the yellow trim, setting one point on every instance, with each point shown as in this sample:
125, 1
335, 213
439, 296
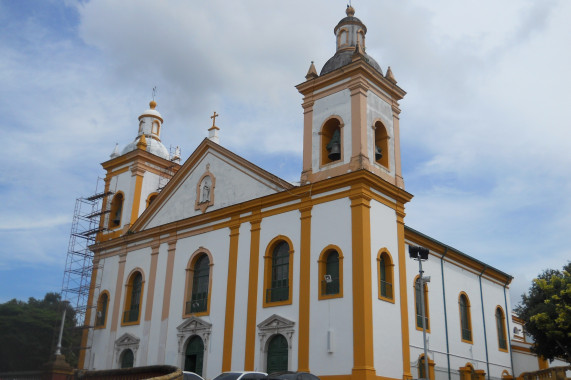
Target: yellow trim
468, 315
403, 286
86, 322
268, 271
189, 281
149, 200
503, 327
230, 298
250, 347
128, 295
322, 264
98, 309
426, 307
389, 273
168, 279
363, 356
152, 280
430, 367
136, 195
118, 291
542, 362
304, 286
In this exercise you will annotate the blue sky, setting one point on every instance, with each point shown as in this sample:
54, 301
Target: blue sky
484, 128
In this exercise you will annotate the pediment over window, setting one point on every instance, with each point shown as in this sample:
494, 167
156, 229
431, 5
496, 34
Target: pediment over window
127, 340
275, 322
194, 324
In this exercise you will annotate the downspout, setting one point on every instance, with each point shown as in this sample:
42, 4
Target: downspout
445, 316
509, 331
484, 320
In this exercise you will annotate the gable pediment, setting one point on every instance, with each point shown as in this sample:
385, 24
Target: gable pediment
194, 325
211, 178
127, 340
276, 322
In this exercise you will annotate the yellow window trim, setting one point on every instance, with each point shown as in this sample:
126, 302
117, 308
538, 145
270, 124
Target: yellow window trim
127, 303
503, 328
268, 271
430, 367
324, 160
148, 202
98, 309
189, 281
426, 305
321, 263
468, 315
389, 272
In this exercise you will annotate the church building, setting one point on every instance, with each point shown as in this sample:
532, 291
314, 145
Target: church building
215, 264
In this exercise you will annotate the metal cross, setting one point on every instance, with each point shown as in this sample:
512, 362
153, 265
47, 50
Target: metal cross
154, 92
213, 117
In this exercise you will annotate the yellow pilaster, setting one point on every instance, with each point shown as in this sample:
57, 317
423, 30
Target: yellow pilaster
402, 294
230, 298
252, 295
304, 275
138, 174
363, 358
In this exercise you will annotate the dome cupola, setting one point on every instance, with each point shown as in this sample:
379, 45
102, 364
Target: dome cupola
349, 33
150, 124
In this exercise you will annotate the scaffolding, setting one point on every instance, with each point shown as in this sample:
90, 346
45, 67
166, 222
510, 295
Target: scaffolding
79, 264
167, 172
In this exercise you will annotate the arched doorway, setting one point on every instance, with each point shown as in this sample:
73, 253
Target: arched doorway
277, 354
194, 355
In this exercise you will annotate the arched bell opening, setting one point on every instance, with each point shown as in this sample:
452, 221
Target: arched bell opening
331, 141
381, 148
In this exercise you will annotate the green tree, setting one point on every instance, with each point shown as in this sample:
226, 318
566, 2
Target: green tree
546, 310
29, 332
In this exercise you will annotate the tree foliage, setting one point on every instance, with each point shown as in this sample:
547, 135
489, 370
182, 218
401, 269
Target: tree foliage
546, 310
29, 332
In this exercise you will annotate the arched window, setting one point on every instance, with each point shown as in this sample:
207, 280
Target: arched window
127, 359
156, 128
361, 38
151, 198
385, 267
422, 368
343, 38
277, 360
501, 327
465, 318
200, 285
330, 273
417, 305
278, 272
134, 293
101, 313
381, 148
331, 141
116, 210
194, 355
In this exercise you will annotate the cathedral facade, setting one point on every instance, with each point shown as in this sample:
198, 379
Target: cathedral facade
215, 264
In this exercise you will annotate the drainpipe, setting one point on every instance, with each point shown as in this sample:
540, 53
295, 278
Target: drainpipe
509, 331
445, 316
484, 320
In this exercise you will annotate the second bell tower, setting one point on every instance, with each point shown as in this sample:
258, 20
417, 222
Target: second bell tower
351, 112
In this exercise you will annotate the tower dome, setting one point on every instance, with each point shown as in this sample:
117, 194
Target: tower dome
150, 124
349, 33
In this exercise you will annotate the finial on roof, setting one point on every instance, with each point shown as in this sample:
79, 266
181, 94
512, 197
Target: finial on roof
152, 104
350, 11
142, 144
390, 76
311, 73
115, 151
213, 131
359, 52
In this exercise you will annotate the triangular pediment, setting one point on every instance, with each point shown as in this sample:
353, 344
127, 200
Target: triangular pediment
212, 178
127, 340
275, 322
194, 325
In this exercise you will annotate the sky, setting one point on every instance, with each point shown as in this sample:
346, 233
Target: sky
485, 134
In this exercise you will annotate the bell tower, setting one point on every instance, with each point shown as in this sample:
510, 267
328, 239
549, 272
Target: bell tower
351, 112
